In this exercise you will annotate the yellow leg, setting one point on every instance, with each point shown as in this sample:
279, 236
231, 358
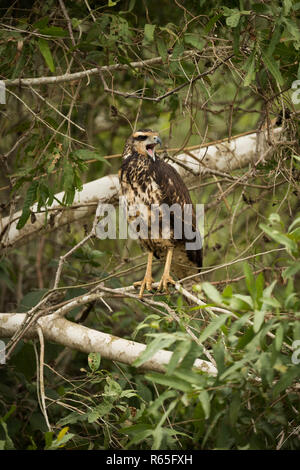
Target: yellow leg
147, 281
166, 278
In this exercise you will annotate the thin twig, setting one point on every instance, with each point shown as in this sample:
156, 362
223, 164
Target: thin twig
69, 24
41, 386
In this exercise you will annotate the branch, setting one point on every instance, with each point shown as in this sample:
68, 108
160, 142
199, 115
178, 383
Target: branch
69, 77
104, 189
216, 158
81, 338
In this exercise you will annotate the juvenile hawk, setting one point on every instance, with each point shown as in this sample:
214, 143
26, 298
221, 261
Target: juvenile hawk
147, 182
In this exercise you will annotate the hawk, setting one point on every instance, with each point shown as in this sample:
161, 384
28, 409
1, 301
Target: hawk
152, 185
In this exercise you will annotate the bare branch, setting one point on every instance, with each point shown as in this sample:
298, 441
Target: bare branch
69, 77
87, 340
66, 15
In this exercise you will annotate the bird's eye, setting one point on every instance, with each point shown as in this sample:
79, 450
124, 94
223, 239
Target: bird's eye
141, 137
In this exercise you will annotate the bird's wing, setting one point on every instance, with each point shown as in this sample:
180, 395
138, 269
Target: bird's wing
174, 191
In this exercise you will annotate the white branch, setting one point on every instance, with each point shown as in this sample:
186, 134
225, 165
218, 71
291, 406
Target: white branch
105, 189
223, 156
87, 340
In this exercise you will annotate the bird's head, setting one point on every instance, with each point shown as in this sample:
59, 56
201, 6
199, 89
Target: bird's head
143, 142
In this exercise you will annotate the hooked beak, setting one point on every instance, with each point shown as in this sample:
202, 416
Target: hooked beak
157, 140
150, 147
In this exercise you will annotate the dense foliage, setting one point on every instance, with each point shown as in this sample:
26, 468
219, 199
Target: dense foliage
223, 69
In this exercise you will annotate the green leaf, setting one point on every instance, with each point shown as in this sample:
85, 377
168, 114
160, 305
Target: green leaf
180, 352
160, 342
162, 49
287, 5
157, 438
46, 53
210, 24
214, 325
268, 290
272, 66
259, 286
241, 302
291, 270
236, 39
94, 360
237, 366
286, 380
55, 31
219, 356
234, 408
29, 200
250, 281
238, 324
295, 234
233, 20
293, 29
279, 337
72, 418
290, 245
176, 54
245, 338
211, 427
190, 376
149, 33
138, 432
9, 445
9, 413
100, 410
212, 292
274, 40
194, 40
249, 67
42, 23
270, 301
48, 439
259, 316
265, 367
204, 399
154, 407
233, 16
31, 299
60, 442
170, 381
86, 154
297, 220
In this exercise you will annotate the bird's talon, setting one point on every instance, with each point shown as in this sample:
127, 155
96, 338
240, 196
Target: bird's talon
163, 285
146, 283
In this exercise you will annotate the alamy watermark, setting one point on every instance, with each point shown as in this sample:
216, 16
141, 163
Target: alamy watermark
140, 221
2, 92
296, 93
296, 353
2, 352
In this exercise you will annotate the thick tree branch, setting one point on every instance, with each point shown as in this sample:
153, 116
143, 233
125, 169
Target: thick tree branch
87, 340
105, 189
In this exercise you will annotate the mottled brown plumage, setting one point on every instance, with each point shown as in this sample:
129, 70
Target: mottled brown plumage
147, 180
